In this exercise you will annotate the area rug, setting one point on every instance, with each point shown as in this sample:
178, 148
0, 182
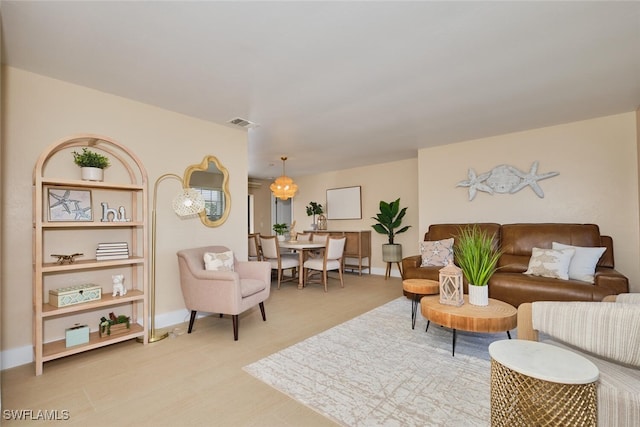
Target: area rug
374, 370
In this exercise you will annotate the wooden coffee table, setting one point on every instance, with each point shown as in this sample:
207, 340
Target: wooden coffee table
498, 316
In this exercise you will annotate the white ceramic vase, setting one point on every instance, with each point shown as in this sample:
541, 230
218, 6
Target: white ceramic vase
281, 237
92, 174
479, 295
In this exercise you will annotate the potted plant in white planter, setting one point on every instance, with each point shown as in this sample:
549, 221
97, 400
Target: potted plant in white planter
314, 209
389, 219
91, 164
280, 229
478, 257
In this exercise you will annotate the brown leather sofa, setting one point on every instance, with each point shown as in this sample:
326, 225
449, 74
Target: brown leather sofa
516, 241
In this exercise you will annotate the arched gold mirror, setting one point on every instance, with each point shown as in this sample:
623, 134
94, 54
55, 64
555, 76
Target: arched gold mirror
212, 180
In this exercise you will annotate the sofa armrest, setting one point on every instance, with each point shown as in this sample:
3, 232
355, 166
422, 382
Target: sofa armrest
525, 323
259, 270
609, 281
609, 330
633, 298
411, 262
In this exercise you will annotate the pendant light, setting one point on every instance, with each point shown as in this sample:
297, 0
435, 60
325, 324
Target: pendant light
283, 187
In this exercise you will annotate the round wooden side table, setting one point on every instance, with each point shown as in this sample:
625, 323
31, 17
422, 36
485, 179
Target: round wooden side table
419, 288
538, 384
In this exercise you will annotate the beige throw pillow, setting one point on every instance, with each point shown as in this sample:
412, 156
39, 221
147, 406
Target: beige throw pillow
550, 263
436, 253
222, 261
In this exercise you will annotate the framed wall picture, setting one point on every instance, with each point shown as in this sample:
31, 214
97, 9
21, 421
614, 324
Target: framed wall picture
344, 203
68, 204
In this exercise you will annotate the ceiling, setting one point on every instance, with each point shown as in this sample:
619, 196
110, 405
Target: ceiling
334, 85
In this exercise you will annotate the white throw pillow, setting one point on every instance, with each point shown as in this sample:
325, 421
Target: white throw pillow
552, 263
222, 261
583, 264
436, 253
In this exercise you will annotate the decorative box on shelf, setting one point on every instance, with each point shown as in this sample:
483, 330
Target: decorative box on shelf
76, 335
71, 295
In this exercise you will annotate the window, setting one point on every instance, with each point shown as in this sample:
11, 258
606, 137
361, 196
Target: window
213, 203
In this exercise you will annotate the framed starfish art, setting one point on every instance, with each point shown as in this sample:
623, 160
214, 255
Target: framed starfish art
67, 204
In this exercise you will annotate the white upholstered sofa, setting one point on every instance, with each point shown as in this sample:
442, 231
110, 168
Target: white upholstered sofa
608, 334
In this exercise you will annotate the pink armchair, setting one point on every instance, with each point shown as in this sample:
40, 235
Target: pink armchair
223, 292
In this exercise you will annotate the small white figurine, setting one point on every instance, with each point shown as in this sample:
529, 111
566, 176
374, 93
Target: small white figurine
118, 285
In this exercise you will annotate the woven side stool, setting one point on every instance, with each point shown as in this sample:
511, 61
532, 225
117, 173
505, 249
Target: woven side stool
419, 288
537, 384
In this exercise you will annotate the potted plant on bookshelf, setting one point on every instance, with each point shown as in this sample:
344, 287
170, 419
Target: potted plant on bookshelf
477, 256
114, 325
280, 229
314, 209
389, 220
91, 164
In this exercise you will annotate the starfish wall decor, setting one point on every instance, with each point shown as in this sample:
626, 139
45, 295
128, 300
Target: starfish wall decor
505, 179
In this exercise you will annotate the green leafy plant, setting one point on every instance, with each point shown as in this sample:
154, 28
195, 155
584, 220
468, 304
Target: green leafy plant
280, 229
90, 159
105, 324
314, 209
389, 219
476, 254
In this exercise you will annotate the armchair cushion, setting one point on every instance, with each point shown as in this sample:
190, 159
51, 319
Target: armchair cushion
219, 261
250, 287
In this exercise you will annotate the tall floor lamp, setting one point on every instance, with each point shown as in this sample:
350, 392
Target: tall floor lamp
187, 202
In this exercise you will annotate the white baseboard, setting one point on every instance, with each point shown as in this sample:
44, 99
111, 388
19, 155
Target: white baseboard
17, 356
382, 271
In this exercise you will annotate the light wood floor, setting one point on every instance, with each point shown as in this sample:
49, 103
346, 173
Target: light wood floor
196, 379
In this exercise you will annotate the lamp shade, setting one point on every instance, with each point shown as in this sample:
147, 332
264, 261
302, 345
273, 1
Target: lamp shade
283, 187
188, 202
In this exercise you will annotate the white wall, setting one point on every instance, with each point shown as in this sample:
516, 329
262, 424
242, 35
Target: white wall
37, 111
598, 182
386, 181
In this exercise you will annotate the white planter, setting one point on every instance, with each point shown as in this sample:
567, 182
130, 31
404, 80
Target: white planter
479, 295
92, 174
281, 237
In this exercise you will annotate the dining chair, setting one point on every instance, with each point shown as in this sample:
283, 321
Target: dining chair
303, 237
332, 260
320, 237
222, 290
254, 247
279, 261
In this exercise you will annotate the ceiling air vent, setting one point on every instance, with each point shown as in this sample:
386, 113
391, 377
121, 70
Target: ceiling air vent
243, 123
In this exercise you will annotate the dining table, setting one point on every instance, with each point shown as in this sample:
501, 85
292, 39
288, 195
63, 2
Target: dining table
301, 247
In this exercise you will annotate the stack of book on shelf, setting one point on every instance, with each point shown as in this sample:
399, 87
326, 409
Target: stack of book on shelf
110, 251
